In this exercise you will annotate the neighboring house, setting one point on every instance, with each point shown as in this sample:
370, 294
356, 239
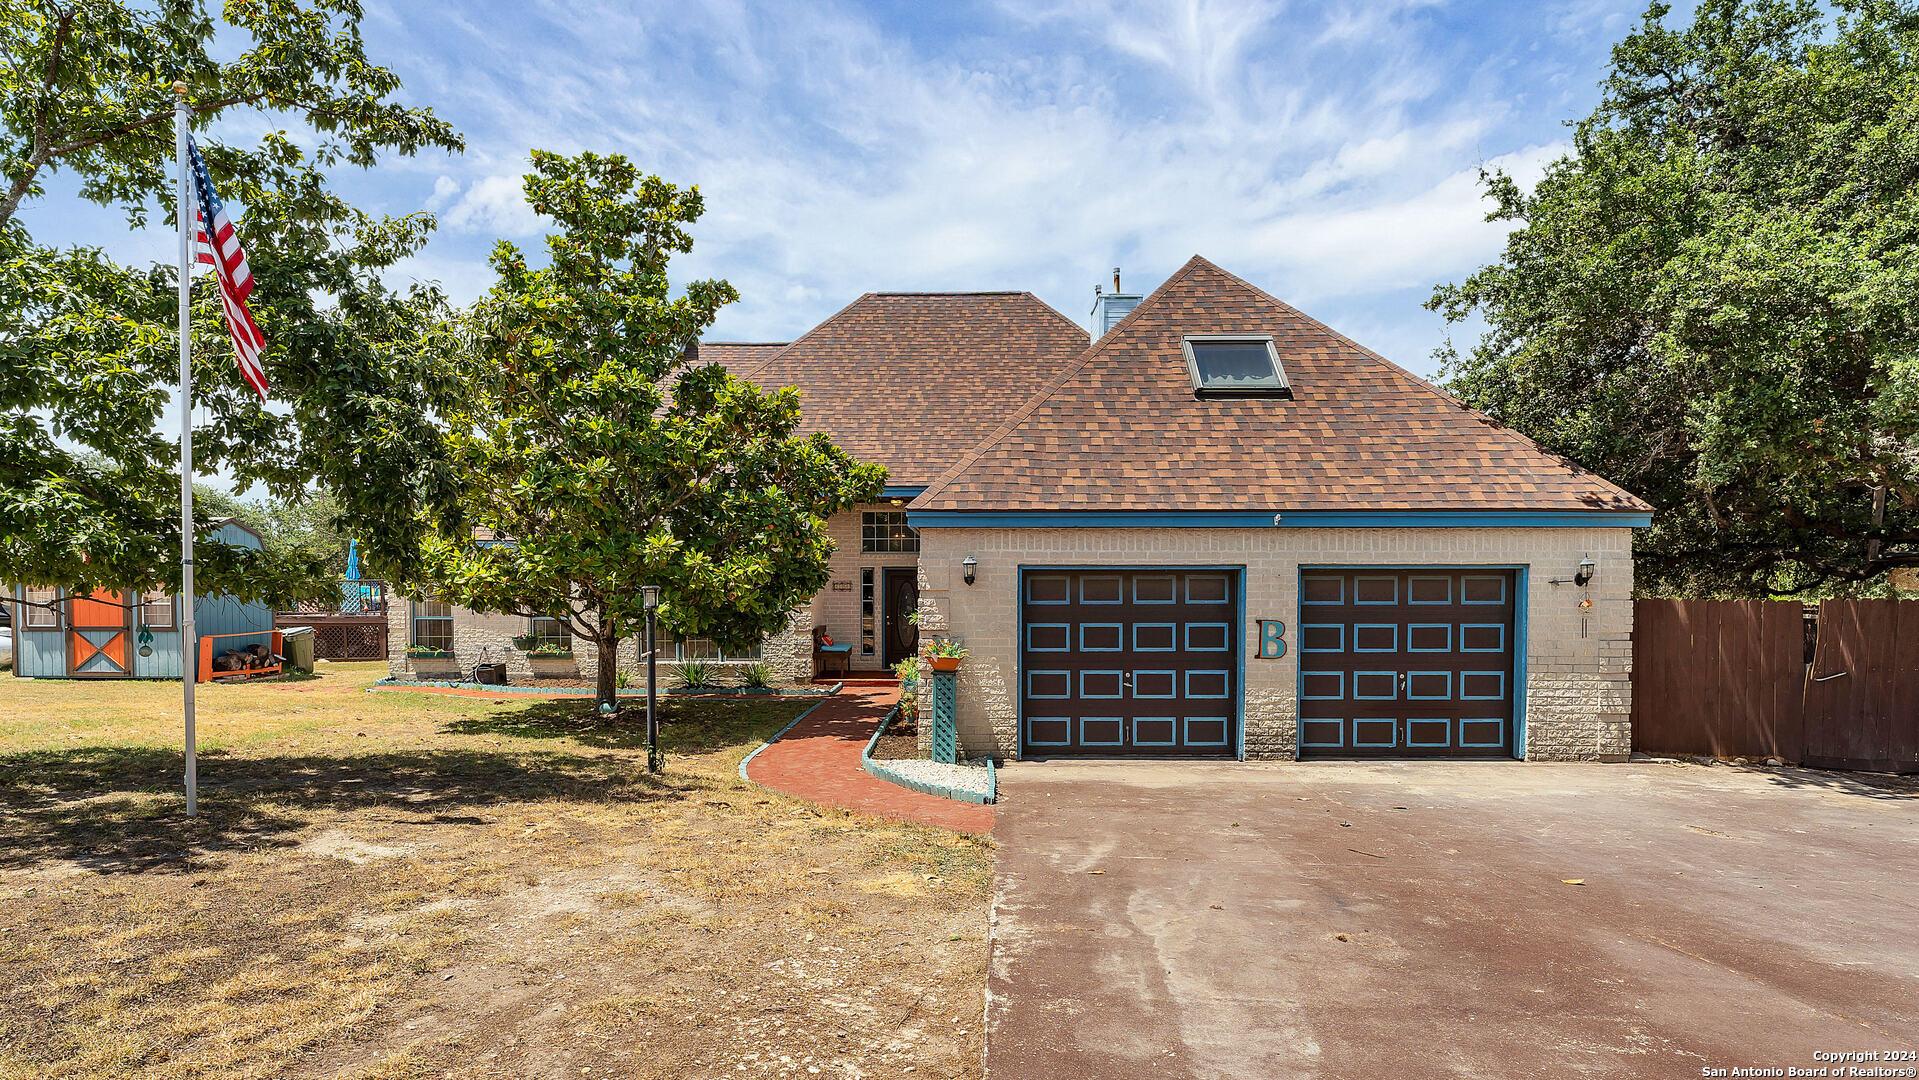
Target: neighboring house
114, 636
1217, 529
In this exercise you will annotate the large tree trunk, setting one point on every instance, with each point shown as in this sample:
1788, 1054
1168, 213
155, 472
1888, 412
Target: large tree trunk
604, 681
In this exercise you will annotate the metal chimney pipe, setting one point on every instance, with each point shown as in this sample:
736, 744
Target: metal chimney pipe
1115, 279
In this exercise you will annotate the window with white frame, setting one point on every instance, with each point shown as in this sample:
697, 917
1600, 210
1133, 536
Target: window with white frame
868, 606
551, 632
37, 617
886, 532
433, 624
700, 648
156, 610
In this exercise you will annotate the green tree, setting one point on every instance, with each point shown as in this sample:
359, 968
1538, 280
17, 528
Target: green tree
88, 482
600, 461
1714, 298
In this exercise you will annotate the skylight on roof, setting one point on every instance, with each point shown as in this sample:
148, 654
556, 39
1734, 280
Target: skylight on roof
1242, 365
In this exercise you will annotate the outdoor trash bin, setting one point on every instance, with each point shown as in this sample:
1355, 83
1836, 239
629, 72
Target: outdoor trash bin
490, 674
297, 646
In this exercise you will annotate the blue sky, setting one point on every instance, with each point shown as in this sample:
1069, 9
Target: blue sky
1326, 152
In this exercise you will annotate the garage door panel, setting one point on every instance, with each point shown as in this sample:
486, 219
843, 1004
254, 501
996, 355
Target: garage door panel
1406, 663
1130, 662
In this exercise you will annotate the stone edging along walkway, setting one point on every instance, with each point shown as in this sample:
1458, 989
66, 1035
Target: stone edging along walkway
818, 758
473, 689
881, 768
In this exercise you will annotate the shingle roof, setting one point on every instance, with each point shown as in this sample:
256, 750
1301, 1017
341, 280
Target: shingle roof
736, 356
1121, 430
913, 381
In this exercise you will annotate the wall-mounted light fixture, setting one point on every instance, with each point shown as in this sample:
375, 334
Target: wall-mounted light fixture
969, 569
1586, 570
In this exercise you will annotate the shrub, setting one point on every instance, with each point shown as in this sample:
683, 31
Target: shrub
759, 676
695, 674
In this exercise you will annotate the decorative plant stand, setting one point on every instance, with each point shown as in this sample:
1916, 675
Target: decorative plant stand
554, 667
945, 717
434, 666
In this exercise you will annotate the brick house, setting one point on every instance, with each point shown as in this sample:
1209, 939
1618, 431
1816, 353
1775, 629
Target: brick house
1211, 528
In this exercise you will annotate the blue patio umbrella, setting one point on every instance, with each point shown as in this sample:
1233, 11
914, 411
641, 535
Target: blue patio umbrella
353, 560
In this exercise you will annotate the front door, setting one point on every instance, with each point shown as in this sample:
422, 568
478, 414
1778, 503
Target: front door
901, 588
97, 636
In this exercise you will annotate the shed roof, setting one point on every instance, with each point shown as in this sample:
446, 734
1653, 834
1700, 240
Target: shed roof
1120, 429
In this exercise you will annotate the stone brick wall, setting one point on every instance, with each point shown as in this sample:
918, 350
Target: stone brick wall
1578, 664
788, 653
838, 608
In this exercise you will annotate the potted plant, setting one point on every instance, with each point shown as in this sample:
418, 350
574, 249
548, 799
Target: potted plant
551, 661
432, 662
526, 643
909, 672
945, 654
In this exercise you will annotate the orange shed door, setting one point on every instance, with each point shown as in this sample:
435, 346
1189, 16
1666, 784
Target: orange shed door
97, 636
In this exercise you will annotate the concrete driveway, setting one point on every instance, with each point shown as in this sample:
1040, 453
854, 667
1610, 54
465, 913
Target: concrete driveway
1415, 919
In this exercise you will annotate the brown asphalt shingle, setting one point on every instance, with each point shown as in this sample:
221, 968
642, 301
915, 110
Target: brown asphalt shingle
737, 357
1120, 429
913, 381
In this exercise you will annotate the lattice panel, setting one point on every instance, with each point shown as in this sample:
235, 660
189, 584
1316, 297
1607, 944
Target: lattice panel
945, 717
349, 642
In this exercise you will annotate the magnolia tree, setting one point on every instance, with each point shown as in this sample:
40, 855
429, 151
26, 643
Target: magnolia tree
590, 460
1714, 298
89, 487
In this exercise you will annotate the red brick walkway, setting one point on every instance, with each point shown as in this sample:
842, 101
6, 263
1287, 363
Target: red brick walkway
819, 760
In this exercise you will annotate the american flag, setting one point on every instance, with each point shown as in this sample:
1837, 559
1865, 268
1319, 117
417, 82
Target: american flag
216, 245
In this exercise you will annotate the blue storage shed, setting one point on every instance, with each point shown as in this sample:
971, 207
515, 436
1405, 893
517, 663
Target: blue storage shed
128, 636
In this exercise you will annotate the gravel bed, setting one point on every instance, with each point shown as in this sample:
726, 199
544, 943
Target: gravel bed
968, 777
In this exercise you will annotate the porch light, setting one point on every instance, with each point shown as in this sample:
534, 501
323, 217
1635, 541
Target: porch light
1586, 570
969, 568
649, 597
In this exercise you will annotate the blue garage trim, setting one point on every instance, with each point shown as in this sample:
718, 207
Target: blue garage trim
901, 491
1520, 604
1300, 519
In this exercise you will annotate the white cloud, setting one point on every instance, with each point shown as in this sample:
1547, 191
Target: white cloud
1326, 154
495, 205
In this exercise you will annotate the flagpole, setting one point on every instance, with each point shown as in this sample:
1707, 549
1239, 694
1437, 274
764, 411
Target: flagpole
189, 641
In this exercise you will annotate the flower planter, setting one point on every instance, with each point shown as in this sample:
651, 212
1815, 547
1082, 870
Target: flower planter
434, 667
553, 667
943, 663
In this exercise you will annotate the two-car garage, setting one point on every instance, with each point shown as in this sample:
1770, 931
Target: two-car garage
1151, 662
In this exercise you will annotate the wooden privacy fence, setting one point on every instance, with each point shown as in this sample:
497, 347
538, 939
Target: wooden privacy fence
1731, 678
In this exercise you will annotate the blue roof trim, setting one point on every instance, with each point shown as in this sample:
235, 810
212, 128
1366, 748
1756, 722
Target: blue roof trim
1298, 519
901, 491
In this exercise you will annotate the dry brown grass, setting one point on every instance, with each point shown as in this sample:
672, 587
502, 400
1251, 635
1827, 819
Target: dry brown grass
409, 885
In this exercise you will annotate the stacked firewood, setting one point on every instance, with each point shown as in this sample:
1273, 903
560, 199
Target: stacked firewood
245, 659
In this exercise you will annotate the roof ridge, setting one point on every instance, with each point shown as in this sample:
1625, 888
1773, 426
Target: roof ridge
745, 343
1394, 369
1055, 312
823, 324
949, 292
1052, 387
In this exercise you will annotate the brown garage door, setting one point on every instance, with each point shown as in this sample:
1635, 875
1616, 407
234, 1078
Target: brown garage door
1406, 663
1129, 663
